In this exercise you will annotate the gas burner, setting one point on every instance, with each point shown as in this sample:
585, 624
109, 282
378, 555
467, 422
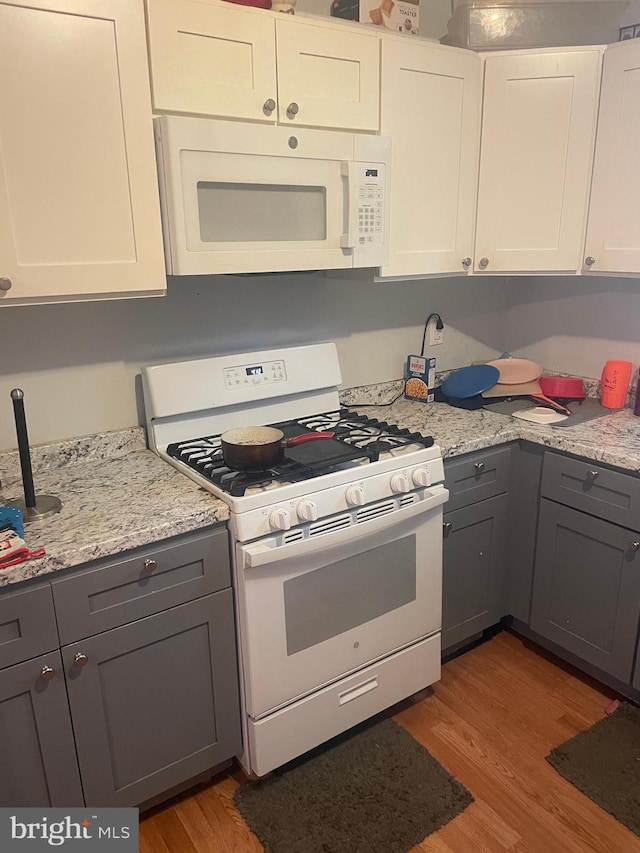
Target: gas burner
358, 440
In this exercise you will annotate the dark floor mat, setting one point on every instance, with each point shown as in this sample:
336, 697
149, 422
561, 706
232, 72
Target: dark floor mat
604, 763
375, 791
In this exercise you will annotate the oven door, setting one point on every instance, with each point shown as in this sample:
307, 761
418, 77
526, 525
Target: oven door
315, 610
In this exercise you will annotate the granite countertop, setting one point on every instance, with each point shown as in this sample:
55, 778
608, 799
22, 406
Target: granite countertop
613, 439
117, 495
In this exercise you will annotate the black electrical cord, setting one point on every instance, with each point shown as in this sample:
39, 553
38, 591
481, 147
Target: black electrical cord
439, 326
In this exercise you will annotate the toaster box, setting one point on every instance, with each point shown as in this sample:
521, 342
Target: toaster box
401, 16
420, 380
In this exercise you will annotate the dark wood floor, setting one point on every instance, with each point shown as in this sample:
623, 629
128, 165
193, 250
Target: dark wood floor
492, 719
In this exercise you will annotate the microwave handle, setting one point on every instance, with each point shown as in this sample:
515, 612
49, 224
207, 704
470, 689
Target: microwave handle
349, 171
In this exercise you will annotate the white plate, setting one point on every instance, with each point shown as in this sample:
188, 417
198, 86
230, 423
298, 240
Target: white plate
540, 415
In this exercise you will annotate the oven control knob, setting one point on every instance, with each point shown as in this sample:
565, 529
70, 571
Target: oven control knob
355, 496
280, 519
307, 511
421, 477
399, 483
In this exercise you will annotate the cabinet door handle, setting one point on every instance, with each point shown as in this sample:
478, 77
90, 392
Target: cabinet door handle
589, 261
484, 263
80, 659
5, 283
591, 475
269, 106
634, 546
447, 527
292, 110
47, 673
150, 565
466, 263
479, 466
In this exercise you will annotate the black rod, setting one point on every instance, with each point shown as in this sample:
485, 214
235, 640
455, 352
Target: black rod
23, 447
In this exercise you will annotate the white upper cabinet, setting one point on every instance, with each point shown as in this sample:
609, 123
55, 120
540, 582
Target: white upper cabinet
538, 132
430, 107
613, 233
79, 207
216, 59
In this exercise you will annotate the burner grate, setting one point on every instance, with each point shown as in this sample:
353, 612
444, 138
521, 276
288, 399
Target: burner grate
359, 439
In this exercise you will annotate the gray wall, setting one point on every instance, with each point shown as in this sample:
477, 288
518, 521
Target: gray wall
77, 363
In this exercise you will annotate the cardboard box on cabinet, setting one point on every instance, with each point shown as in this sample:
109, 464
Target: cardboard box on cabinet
396, 15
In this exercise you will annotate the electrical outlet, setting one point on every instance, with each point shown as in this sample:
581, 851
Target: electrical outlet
436, 336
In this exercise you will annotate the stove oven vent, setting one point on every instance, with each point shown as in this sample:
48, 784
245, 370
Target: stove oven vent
292, 536
330, 525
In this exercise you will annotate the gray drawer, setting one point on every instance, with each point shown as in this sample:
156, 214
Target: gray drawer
27, 624
476, 476
117, 592
589, 487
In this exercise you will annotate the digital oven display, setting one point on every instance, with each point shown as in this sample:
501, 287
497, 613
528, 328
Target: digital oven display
258, 370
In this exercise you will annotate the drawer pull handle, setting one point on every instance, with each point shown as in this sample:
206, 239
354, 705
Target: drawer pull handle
80, 659
635, 546
591, 475
356, 692
47, 673
479, 466
150, 565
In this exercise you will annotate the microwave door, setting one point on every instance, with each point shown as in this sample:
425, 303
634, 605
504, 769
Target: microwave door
244, 213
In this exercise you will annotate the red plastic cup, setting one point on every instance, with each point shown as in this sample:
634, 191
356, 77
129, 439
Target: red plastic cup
614, 383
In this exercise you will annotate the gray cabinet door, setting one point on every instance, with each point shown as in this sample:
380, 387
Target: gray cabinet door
155, 703
38, 757
586, 593
526, 471
473, 569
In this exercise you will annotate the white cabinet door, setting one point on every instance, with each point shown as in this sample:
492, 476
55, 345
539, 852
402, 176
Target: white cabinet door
212, 58
430, 106
209, 58
613, 233
79, 208
538, 131
327, 76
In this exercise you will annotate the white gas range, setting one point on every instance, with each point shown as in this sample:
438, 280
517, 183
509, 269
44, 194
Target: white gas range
337, 549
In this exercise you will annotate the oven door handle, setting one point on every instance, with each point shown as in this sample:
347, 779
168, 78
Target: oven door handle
257, 554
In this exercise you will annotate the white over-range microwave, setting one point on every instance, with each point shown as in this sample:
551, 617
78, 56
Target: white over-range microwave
242, 198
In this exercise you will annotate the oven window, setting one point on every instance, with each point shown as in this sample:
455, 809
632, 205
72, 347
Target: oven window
335, 598
259, 213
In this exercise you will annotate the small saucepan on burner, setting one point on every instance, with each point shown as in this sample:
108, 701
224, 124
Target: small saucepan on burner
257, 448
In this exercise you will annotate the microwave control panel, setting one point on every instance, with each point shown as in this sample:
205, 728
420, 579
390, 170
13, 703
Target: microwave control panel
371, 205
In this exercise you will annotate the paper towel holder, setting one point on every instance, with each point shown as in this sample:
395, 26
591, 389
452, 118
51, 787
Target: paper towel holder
33, 507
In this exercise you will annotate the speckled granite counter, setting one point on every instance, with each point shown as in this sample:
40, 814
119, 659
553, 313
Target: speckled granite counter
613, 439
116, 495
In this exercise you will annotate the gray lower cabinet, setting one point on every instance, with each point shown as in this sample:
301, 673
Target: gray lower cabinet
473, 569
141, 698
39, 766
586, 594
475, 525
155, 702
37, 752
